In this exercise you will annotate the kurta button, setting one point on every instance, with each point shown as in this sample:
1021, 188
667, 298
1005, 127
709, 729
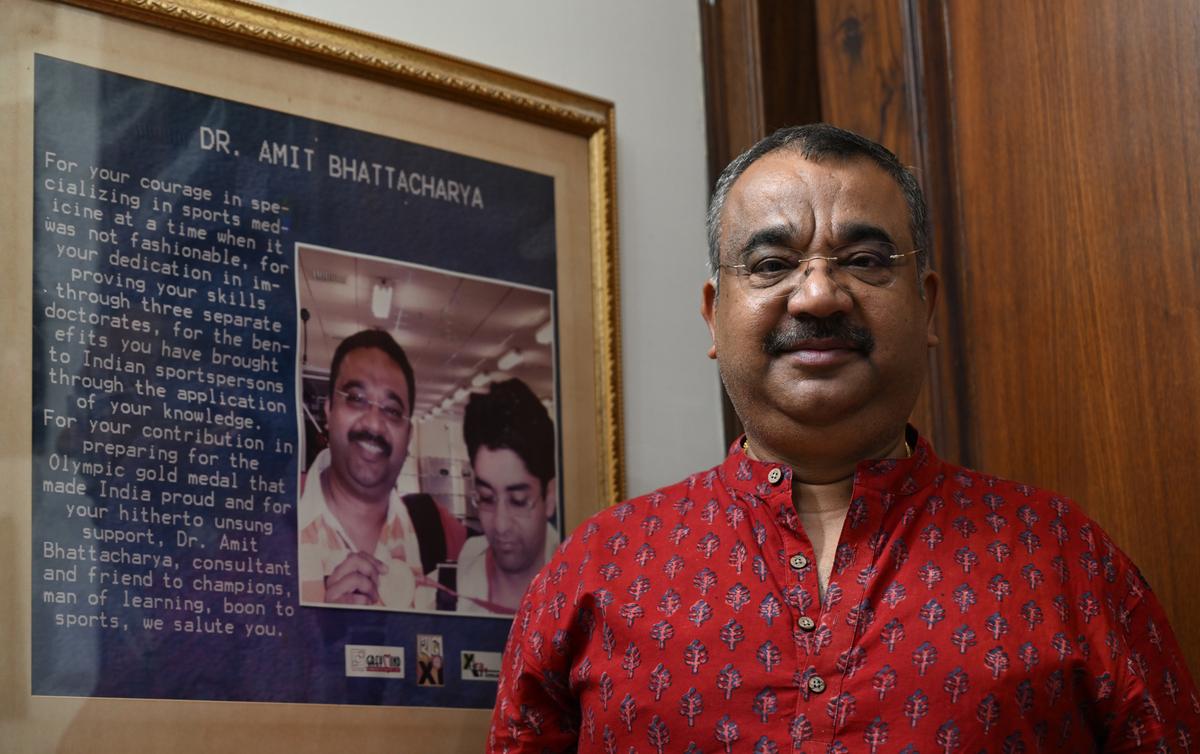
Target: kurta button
816, 684
774, 475
806, 623
798, 561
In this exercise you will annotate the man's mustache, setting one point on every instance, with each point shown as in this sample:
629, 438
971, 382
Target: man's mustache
363, 435
789, 335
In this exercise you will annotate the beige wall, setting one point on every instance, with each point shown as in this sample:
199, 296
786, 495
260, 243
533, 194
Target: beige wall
645, 57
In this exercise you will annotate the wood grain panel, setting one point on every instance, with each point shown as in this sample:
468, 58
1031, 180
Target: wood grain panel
869, 86
1077, 127
760, 74
864, 86
1058, 145
732, 79
733, 106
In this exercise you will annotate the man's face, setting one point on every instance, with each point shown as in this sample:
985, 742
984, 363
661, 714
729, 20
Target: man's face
368, 443
513, 509
820, 349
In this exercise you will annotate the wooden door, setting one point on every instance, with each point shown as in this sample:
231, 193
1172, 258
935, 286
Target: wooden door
1060, 145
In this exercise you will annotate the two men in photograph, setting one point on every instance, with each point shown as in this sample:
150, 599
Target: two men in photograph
366, 545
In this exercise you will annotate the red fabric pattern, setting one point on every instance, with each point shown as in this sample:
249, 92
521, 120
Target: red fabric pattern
965, 613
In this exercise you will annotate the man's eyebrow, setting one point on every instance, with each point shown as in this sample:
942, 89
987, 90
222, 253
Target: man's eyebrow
358, 385
519, 487
781, 236
774, 236
855, 232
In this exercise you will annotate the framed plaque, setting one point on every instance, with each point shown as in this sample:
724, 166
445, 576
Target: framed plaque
284, 302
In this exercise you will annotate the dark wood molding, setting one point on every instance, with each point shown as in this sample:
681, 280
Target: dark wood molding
928, 73
760, 74
732, 78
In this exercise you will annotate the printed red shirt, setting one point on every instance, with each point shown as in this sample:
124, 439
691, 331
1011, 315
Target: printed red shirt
964, 614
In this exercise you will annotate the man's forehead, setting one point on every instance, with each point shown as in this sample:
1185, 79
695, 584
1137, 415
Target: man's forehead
374, 365
499, 464
787, 167
785, 189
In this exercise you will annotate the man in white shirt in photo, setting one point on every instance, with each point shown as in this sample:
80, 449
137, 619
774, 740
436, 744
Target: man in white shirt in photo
510, 441
358, 545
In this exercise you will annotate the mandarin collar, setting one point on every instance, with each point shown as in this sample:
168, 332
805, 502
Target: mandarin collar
899, 476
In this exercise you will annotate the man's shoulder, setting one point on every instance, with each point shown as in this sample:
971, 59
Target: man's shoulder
1030, 518
474, 551
617, 518
967, 486
317, 531
472, 570
617, 532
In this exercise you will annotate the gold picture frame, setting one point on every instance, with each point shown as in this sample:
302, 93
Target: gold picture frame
289, 64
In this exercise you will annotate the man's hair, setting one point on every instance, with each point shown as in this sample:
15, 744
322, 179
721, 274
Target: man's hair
815, 142
374, 339
510, 416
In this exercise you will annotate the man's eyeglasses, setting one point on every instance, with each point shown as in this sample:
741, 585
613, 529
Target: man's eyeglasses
520, 502
357, 401
874, 263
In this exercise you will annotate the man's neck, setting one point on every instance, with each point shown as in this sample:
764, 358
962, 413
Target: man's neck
821, 499
362, 519
508, 588
821, 493
821, 463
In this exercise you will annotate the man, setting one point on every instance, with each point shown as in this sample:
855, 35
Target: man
832, 585
361, 545
510, 441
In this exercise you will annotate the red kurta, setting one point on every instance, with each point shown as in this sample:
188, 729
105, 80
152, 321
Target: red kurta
965, 613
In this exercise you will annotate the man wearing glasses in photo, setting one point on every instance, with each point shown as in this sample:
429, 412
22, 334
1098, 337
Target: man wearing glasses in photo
361, 545
510, 441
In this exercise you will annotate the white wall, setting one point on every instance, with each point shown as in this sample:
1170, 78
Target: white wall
644, 57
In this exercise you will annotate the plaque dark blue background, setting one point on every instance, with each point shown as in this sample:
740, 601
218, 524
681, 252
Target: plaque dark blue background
151, 130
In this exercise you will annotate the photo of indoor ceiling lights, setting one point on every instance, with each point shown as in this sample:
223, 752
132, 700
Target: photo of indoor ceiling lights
461, 333
470, 341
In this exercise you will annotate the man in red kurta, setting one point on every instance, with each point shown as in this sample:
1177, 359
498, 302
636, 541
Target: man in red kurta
833, 586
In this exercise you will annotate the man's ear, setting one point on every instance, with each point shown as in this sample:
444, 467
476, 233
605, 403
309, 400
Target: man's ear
932, 286
708, 310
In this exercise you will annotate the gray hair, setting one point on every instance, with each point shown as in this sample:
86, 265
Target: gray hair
814, 142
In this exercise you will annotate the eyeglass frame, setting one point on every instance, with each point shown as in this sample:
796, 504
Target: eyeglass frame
403, 420
525, 511
804, 260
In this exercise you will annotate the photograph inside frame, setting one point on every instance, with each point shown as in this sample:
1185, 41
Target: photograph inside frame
428, 441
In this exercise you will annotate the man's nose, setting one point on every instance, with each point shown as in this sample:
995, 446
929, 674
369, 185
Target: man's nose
503, 517
816, 290
372, 418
